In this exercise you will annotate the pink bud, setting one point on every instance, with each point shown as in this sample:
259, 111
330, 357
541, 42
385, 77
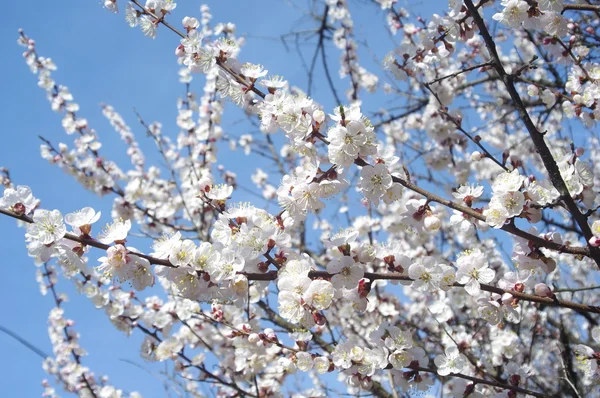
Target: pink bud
19, 208
519, 287
594, 241
579, 152
541, 289
180, 51
319, 318
364, 287
272, 337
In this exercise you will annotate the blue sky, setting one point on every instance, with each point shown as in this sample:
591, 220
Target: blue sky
101, 59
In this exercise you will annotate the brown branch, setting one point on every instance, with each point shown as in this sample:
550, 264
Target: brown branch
220, 62
509, 228
444, 111
65, 329
170, 167
477, 380
455, 74
536, 136
201, 368
277, 320
272, 275
90, 241
580, 7
118, 191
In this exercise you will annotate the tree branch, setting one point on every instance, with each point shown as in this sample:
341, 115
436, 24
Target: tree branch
536, 136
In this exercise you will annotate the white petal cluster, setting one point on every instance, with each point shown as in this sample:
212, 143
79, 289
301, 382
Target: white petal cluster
473, 270
507, 201
426, 274
346, 272
344, 300
302, 191
350, 137
375, 181
451, 362
19, 200
47, 227
300, 298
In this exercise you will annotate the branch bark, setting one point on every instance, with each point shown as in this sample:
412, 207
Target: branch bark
536, 136
272, 275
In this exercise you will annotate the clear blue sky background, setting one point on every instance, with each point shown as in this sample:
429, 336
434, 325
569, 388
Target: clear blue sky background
101, 59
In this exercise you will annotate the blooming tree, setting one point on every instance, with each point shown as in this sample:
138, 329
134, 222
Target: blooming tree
414, 292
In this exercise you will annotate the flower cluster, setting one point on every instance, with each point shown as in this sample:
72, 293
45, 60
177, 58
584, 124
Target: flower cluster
545, 15
300, 298
351, 137
509, 202
587, 360
407, 295
343, 39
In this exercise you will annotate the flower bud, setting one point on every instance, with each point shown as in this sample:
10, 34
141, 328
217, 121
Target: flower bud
19, 208
541, 289
272, 337
519, 287
476, 156
190, 23
253, 338
364, 287
319, 116
432, 223
319, 318
515, 380
533, 215
262, 266
110, 4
